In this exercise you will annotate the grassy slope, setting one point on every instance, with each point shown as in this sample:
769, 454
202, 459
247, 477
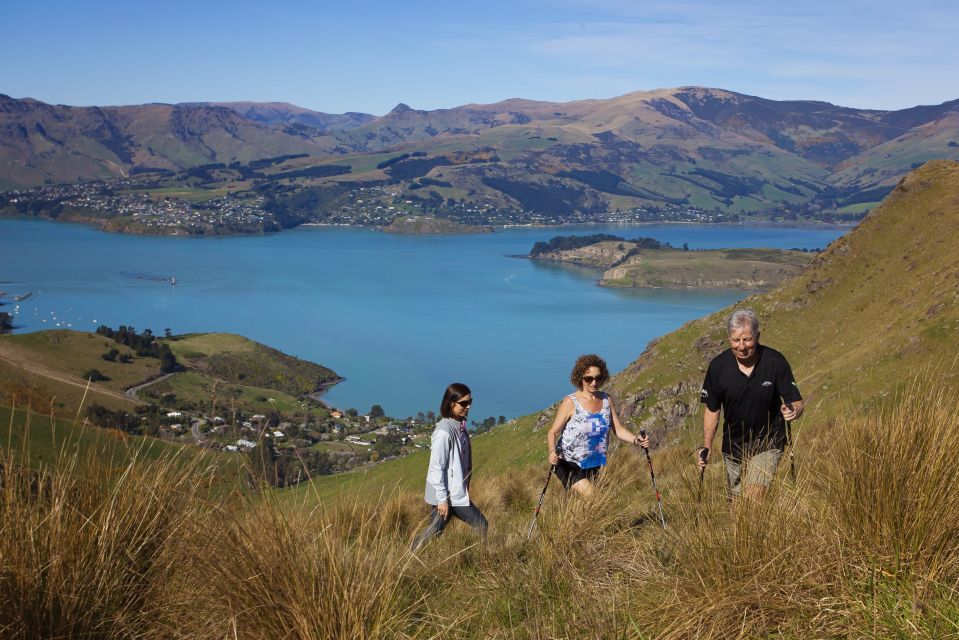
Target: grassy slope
49, 366
877, 304
74, 353
724, 268
42, 439
882, 165
236, 359
194, 391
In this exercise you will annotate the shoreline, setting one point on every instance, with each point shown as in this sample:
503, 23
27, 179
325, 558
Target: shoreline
101, 226
318, 393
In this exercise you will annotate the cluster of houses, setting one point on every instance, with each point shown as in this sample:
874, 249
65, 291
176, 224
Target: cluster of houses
362, 432
166, 215
380, 206
251, 429
667, 214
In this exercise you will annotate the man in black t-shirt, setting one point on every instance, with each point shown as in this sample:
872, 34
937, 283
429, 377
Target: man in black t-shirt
753, 386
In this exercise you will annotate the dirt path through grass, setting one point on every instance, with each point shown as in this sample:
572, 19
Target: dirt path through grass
22, 360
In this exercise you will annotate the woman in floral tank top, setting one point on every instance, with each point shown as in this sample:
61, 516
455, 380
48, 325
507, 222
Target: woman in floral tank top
579, 438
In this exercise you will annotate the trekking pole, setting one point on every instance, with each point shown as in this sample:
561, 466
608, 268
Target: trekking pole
789, 443
703, 456
652, 476
792, 458
539, 505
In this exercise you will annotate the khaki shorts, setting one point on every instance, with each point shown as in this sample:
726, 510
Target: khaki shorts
756, 470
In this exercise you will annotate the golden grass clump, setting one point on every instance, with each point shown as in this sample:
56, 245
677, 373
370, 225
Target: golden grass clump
84, 543
268, 571
894, 481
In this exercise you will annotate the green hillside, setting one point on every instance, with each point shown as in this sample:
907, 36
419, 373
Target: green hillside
50, 368
38, 440
234, 358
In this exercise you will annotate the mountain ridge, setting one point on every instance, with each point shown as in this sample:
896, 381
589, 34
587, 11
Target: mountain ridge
689, 146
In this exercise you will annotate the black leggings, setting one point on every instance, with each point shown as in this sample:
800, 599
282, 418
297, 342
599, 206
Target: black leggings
471, 515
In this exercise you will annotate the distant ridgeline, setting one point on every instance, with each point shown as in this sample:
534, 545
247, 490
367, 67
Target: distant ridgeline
567, 243
689, 154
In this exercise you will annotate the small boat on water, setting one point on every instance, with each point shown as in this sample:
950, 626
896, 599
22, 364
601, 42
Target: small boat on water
22, 297
173, 280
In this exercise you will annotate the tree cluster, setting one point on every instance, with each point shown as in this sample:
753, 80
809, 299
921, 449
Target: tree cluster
143, 344
566, 243
146, 420
487, 424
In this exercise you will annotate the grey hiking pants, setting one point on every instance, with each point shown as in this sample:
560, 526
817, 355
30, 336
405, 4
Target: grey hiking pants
471, 515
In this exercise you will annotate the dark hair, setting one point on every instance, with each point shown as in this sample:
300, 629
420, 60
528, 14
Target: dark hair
453, 393
583, 363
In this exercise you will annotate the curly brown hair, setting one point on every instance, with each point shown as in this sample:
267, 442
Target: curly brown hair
583, 363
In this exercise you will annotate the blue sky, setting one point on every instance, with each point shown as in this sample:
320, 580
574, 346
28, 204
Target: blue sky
368, 56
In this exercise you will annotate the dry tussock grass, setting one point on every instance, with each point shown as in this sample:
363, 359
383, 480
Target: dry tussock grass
85, 544
865, 544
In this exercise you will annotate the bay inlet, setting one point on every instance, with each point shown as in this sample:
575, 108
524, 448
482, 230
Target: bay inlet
398, 317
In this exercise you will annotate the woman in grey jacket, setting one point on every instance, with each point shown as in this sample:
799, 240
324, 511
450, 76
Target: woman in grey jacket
451, 468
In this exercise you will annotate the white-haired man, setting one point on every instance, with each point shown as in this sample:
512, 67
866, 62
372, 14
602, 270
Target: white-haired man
753, 386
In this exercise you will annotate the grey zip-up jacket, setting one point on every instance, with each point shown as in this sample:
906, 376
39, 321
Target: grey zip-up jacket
444, 479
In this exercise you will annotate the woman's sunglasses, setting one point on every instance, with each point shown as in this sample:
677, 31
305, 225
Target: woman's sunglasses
464, 403
592, 379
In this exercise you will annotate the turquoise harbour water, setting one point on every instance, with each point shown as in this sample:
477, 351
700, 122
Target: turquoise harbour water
398, 316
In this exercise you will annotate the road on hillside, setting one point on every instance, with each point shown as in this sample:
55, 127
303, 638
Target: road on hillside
132, 391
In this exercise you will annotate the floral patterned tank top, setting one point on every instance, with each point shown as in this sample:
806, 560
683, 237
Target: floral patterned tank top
586, 436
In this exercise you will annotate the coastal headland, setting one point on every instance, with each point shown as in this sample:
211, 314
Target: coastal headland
648, 263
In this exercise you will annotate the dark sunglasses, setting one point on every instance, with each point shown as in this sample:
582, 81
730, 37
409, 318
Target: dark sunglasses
590, 379
464, 403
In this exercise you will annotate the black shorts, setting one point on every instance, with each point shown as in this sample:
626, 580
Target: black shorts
569, 473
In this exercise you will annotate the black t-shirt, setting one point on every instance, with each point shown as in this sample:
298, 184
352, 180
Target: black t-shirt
751, 417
